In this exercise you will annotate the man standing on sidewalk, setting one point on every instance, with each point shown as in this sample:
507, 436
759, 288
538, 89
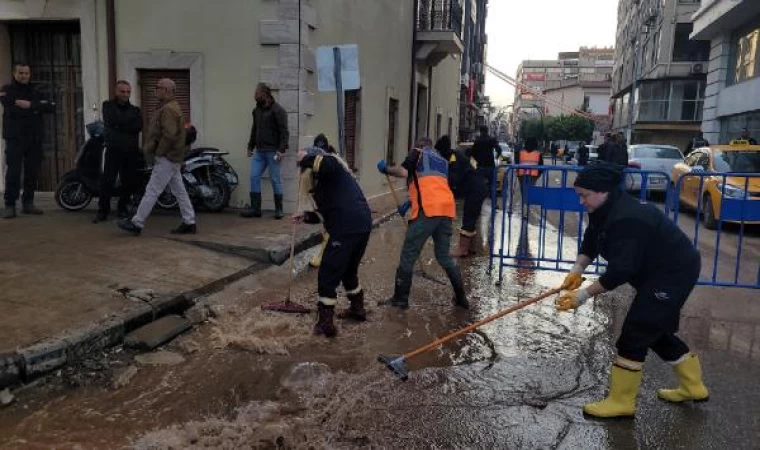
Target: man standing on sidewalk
433, 212
123, 123
22, 130
266, 146
166, 142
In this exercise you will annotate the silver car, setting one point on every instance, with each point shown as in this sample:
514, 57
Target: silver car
652, 158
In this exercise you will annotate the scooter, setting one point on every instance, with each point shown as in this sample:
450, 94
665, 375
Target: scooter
79, 186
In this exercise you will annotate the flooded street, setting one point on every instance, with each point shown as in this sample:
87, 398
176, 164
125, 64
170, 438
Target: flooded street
253, 379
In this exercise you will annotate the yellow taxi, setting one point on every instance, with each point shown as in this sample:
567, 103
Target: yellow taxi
738, 157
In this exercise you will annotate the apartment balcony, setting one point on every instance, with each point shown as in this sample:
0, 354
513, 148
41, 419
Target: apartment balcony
439, 30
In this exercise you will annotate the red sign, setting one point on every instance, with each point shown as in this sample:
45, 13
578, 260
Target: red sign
535, 76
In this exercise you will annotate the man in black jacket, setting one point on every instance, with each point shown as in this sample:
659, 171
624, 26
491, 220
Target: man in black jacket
123, 123
347, 218
22, 130
485, 149
266, 147
644, 248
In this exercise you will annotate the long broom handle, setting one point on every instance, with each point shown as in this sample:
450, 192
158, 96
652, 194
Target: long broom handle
479, 324
393, 191
293, 235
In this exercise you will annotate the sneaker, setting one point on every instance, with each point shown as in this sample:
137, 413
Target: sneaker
185, 228
100, 217
10, 212
129, 226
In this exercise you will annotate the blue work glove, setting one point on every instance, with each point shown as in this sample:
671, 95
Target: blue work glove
404, 208
382, 167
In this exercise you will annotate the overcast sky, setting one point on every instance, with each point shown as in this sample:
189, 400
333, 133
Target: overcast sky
539, 29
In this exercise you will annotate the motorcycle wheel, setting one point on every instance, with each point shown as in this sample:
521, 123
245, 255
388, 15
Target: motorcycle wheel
221, 197
73, 195
167, 200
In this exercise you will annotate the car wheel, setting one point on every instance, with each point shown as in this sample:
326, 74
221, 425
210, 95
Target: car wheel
708, 214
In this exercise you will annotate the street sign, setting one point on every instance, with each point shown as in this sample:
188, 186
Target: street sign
349, 67
338, 71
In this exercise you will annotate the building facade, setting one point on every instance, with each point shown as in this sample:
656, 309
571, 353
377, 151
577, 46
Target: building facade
732, 95
217, 54
573, 75
653, 40
472, 99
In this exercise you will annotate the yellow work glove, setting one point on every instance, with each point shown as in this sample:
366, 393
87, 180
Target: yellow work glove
571, 300
573, 281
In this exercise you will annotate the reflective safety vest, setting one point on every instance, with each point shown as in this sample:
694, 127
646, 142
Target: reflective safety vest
529, 159
431, 178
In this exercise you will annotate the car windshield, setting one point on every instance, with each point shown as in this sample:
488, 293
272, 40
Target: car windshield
737, 161
657, 152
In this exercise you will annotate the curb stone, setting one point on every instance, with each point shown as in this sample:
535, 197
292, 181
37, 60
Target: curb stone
51, 354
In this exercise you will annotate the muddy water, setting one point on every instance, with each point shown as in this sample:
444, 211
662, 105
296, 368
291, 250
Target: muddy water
259, 380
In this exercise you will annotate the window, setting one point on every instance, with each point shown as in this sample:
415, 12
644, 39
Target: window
392, 127
746, 55
438, 125
148, 99
351, 123
656, 152
451, 128
685, 49
676, 101
737, 161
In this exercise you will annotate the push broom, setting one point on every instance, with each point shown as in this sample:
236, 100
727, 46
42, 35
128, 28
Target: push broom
397, 365
289, 306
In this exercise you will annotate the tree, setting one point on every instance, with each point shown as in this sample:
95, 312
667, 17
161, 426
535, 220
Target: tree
532, 128
569, 128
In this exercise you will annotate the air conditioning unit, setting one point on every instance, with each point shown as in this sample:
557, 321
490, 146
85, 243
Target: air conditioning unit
697, 68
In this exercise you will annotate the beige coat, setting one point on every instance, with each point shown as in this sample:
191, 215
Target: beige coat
166, 133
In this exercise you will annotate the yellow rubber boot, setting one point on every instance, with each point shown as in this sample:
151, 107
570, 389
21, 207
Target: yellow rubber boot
316, 261
621, 400
690, 386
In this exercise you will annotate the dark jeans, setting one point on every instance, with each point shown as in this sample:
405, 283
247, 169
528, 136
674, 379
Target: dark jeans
340, 264
653, 320
26, 155
420, 229
473, 204
125, 164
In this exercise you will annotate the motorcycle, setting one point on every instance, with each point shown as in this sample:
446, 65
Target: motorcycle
208, 178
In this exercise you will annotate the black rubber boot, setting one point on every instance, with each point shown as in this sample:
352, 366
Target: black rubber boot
460, 298
255, 210
401, 291
29, 208
10, 212
278, 211
325, 325
356, 311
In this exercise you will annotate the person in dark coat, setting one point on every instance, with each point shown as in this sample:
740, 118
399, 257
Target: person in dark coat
485, 150
23, 107
123, 123
646, 249
343, 210
468, 183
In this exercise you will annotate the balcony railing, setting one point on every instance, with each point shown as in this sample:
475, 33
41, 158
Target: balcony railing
440, 15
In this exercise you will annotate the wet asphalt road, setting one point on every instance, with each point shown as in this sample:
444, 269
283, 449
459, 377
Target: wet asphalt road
258, 380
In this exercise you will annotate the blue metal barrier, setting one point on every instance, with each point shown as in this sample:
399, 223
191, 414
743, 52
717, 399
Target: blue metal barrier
526, 208
738, 206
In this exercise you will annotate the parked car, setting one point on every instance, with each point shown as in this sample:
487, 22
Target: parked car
507, 154
653, 158
592, 154
739, 157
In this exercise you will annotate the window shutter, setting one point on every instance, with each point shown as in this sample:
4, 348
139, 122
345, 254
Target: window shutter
149, 102
351, 125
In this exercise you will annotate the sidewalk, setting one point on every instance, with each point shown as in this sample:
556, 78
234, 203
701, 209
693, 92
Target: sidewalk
66, 282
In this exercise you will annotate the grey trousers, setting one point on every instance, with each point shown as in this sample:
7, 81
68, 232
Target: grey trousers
165, 173
422, 228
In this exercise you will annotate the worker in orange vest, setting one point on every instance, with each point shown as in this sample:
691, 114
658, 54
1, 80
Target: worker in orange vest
528, 156
433, 214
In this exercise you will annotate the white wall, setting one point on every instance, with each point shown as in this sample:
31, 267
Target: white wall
383, 31
221, 44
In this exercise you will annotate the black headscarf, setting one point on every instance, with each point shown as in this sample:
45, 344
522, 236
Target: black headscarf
444, 146
601, 177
